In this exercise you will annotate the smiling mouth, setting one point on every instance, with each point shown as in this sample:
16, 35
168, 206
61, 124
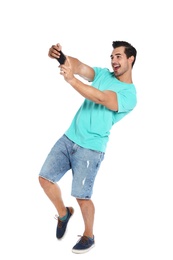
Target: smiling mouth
116, 67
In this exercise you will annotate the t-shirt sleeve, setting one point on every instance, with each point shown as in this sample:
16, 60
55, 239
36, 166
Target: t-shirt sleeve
126, 100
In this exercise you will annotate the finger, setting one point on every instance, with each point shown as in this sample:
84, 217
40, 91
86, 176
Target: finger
62, 72
59, 46
54, 52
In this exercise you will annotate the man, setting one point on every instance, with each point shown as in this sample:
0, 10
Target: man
109, 96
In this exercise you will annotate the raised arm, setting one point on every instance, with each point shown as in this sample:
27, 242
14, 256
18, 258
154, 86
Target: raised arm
74, 66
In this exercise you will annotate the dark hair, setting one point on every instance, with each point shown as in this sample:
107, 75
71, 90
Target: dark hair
129, 49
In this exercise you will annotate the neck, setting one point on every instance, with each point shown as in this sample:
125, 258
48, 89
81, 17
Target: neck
126, 78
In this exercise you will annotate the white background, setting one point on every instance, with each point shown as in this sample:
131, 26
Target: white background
133, 190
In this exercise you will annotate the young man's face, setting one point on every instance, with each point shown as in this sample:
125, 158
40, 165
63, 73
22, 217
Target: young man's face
119, 62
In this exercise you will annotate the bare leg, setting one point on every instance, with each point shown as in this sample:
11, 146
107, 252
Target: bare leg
53, 192
88, 211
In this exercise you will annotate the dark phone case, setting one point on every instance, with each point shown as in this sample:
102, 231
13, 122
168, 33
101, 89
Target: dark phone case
62, 58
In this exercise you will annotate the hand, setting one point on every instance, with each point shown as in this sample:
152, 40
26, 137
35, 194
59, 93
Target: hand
66, 70
54, 51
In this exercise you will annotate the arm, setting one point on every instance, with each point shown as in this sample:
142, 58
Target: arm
106, 98
74, 66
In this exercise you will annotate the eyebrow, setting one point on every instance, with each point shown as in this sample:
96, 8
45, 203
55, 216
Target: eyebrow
116, 54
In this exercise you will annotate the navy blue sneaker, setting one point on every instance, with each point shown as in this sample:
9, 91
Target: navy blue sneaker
62, 225
83, 245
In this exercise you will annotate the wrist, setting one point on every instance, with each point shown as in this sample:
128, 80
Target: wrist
72, 81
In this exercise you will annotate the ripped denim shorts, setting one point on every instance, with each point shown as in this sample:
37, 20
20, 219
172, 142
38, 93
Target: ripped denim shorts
84, 163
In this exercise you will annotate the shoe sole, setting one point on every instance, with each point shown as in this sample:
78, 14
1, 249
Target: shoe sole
82, 251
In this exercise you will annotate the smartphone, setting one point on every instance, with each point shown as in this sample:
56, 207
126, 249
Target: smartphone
62, 58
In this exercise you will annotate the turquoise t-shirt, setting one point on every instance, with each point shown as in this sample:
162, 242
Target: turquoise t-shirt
90, 128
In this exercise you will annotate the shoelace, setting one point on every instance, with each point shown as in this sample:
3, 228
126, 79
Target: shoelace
83, 239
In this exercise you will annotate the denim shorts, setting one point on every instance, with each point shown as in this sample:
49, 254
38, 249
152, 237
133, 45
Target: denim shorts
84, 164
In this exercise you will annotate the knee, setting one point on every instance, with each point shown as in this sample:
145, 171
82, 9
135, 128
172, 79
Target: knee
43, 182
82, 202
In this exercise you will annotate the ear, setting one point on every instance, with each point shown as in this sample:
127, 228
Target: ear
131, 59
